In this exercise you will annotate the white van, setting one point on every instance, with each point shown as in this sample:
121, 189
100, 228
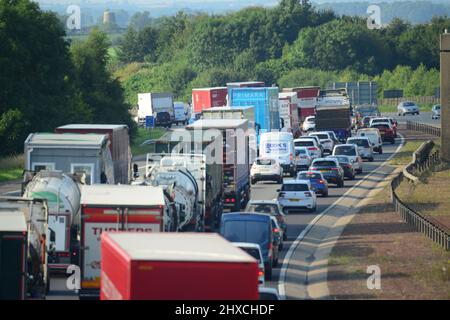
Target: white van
373, 134
280, 146
180, 113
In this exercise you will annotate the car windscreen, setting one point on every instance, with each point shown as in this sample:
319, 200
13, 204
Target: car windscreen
300, 151
307, 176
253, 252
342, 159
265, 162
263, 208
304, 143
379, 120
345, 150
311, 120
408, 104
246, 231
321, 136
324, 163
360, 142
295, 187
381, 126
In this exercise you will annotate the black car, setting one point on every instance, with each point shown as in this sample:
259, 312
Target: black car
331, 170
163, 120
346, 165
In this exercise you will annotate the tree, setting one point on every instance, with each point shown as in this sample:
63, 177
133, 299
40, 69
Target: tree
101, 93
36, 74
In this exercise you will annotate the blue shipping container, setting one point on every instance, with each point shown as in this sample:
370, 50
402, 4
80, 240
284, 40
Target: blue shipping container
265, 102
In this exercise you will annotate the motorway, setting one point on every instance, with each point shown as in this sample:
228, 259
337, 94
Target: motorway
297, 221
423, 117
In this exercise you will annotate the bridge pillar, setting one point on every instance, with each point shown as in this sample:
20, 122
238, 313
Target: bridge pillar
445, 96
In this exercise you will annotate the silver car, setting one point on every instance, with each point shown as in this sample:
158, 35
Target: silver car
436, 112
407, 107
365, 147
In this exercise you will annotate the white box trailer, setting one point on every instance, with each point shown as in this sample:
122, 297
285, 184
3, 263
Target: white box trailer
114, 208
71, 153
149, 104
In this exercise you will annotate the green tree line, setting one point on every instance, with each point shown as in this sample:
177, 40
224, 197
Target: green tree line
45, 81
289, 44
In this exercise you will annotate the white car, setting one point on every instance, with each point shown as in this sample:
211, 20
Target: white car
297, 194
266, 169
325, 139
314, 149
364, 147
407, 107
303, 158
373, 134
254, 250
350, 150
309, 124
379, 120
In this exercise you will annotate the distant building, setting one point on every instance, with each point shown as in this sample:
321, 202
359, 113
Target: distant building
109, 18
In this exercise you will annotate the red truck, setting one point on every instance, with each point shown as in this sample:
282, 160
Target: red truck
206, 98
114, 208
175, 266
119, 145
307, 100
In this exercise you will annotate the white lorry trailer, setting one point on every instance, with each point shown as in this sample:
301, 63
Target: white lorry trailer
63, 194
149, 104
23, 255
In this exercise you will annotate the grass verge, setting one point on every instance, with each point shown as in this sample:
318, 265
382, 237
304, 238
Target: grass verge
144, 135
11, 168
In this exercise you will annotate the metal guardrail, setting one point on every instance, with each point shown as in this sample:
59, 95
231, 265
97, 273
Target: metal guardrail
433, 229
423, 127
422, 160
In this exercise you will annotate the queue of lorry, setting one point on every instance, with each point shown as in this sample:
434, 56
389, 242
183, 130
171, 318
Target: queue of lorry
94, 210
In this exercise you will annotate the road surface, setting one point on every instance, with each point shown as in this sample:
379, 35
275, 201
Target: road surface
423, 117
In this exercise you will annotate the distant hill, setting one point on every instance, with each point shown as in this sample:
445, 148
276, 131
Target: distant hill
412, 11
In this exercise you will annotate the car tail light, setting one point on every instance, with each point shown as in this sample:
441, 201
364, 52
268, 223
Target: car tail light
291, 157
275, 230
313, 168
312, 148
335, 169
308, 194
321, 181
260, 273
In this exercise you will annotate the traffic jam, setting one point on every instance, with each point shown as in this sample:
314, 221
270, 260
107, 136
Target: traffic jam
189, 217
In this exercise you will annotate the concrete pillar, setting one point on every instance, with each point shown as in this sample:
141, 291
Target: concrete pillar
445, 96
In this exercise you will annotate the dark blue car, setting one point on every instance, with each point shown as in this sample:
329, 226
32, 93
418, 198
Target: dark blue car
318, 183
253, 228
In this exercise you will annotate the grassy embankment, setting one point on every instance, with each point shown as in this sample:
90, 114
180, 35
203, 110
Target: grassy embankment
144, 135
11, 168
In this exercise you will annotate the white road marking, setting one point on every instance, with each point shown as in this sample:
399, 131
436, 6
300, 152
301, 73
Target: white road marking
294, 245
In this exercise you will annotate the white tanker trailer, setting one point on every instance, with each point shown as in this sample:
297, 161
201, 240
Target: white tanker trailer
183, 178
62, 192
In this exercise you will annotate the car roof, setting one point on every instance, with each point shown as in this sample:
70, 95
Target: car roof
345, 145
263, 202
357, 138
305, 138
246, 215
320, 132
